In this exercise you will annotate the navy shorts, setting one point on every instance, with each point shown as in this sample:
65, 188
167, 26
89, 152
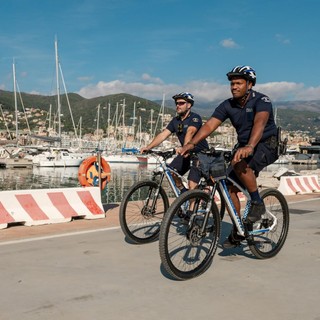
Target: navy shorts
182, 165
263, 156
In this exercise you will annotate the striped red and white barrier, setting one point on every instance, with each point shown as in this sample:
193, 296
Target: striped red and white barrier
292, 185
45, 206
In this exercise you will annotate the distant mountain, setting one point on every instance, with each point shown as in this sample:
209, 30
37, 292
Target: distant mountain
291, 115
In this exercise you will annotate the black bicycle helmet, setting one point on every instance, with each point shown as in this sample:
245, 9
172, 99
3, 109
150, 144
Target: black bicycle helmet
245, 72
184, 95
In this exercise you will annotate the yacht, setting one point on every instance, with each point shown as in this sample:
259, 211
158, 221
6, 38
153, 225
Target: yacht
58, 157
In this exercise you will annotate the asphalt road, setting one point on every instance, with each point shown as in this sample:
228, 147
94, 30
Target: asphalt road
89, 271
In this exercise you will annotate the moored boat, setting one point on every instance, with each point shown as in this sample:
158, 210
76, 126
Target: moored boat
57, 157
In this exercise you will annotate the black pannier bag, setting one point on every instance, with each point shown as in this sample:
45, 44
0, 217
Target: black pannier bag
212, 165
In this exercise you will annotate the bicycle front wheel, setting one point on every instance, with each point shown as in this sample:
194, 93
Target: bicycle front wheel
188, 241
222, 204
266, 244
142, 210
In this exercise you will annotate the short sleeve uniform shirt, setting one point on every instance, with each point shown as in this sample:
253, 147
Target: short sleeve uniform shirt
180, 127
242, 117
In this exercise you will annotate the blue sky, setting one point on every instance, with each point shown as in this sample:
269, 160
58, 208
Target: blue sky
153, 47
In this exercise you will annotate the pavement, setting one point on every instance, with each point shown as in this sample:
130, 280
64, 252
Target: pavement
85, 269
16, 232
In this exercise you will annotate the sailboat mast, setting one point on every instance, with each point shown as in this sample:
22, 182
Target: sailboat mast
116, 126
15, 98
123, 120
134, 119
162, 115
58, 86
80, 130
108, 134
140, 131
50, 110
151, 121
98, 120
97, 130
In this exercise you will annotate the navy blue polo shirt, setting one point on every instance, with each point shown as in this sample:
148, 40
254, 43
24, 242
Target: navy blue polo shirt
180, 127
242, 117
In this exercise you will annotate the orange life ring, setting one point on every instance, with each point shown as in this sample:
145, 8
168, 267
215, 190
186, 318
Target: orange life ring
88, 173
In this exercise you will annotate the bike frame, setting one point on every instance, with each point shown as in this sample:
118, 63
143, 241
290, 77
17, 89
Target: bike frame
166, 171
221, 183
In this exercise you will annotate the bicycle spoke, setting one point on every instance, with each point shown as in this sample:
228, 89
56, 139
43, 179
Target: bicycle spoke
267, 244
142, 211
187, 246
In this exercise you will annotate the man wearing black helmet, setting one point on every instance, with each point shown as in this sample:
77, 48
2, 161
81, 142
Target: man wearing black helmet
185, 125
251, 114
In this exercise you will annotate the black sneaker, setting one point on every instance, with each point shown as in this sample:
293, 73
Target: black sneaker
256, 210
233, 241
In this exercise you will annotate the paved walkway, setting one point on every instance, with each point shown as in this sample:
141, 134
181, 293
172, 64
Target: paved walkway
110, 221
86, 270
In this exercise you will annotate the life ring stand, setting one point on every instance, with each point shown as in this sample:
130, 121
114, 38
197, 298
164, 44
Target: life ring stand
88, 173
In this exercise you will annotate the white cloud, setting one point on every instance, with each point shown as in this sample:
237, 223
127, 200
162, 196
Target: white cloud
144, 90
229, 43
312, 93
281, 90
282, 39
202, 90
149, 78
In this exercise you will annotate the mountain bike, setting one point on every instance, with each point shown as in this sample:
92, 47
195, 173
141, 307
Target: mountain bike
187, 244
146, 202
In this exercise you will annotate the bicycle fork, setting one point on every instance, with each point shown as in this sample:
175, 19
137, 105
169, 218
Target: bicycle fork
150, 208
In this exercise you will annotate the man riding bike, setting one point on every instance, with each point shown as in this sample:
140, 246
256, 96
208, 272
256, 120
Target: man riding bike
250, 112
186, 124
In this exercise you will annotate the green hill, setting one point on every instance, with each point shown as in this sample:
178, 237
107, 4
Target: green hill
81, 107
293, 116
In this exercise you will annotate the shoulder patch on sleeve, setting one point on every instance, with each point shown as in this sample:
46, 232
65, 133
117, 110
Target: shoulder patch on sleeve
265, 99
195, 119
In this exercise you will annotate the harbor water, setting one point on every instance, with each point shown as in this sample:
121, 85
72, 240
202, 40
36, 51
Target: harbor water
123, 176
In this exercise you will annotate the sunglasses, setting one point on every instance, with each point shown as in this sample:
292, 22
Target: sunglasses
180, 103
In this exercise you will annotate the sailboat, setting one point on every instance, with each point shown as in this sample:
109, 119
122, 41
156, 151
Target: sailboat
14, 157
125, 154
57, 156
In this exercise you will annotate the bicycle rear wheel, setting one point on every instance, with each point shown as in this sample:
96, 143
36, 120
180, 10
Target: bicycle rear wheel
142, 210
186, 250
267, 244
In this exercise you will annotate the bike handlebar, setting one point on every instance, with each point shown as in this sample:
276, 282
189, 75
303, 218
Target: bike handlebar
228, 155
164, 154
